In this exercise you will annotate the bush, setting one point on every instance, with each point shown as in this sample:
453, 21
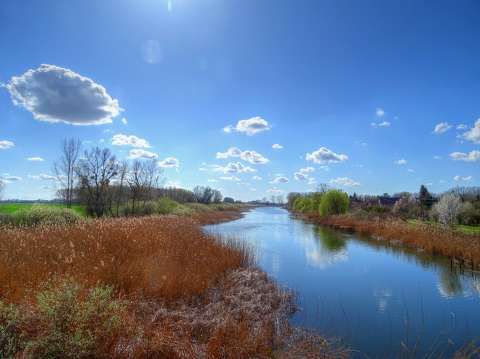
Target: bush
70, 322
334, 202
166, 206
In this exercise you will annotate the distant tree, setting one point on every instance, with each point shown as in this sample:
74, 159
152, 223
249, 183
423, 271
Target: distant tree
334, 202
217, 196
228, 200
291, 198
120, 194
65, 169
203, 194
447, 208
180, 195
407, 207
142, 180
95, 172
426, 200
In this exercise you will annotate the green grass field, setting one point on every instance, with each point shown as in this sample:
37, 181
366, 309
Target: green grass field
14, 207
473, 230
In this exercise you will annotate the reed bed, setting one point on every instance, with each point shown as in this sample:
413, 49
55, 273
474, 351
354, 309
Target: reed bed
433, 239
141, 287
163, 256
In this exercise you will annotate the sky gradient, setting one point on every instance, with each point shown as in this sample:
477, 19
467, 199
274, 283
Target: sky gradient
256, 98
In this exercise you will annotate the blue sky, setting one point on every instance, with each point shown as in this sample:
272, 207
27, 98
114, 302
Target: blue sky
368, 96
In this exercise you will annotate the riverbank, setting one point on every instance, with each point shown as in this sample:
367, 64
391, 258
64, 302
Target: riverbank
142, 287
462, 248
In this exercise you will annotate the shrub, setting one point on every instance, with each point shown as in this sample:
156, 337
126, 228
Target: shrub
70, 322
75, 324
166, 205
334, 202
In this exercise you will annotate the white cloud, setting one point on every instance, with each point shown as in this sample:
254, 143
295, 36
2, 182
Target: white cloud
473, 156
252, 157
9, 179
300, 176
124, 121
401, 162
464, 178
325, 156
379, 112
381, 124
437, 158
133, 141
55, 94
4, 145
441, 127
250, 127
212, 180
462, 126
277, 146
139, 153
411, 170
303, 174
344, 181
257, 178
280, 179
169, 162
232, 167
35, 159
231, 152
474, 133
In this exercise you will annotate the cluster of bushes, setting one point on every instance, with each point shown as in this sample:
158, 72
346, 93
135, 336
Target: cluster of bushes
327, 203
38, 215
70, 322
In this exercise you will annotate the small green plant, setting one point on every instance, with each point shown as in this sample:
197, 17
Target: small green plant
334, 202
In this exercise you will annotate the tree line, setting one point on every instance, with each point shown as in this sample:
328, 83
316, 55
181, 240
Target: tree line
106, 186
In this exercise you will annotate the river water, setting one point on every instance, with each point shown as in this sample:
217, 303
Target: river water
384, 301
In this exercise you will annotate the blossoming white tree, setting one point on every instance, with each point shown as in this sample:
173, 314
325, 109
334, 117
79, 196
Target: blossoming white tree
448, 208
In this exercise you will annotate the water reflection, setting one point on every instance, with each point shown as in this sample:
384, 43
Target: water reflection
323, 247
352, 287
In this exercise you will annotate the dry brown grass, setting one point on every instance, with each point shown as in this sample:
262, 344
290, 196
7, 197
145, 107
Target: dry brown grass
167, 257
178, 293
432, 239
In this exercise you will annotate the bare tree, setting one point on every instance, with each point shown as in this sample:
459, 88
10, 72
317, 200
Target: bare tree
120, 189
217, 196
143, 178
95, 172
65, 168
